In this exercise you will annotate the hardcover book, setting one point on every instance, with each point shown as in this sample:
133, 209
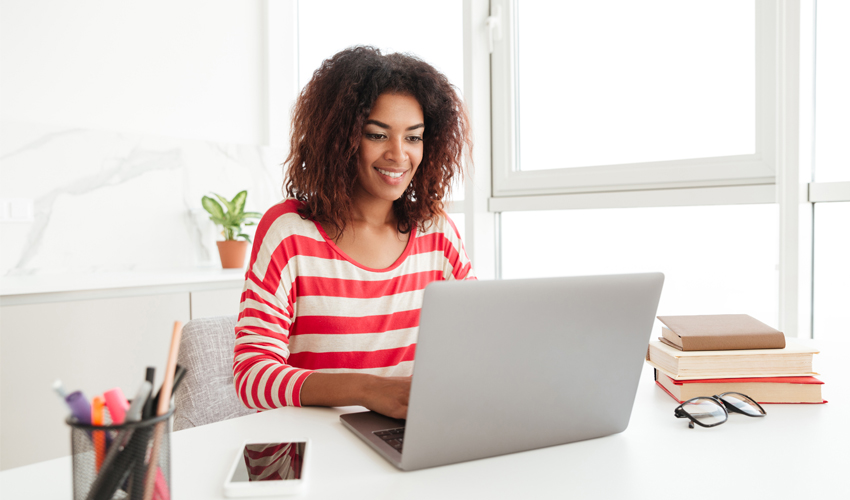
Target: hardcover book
719, 332
762, 389
795, 359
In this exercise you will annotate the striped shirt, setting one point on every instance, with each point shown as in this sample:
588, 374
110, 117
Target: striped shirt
306, 306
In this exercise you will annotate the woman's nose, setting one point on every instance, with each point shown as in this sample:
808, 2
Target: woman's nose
395, 151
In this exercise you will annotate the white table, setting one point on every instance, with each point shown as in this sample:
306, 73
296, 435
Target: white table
796, 451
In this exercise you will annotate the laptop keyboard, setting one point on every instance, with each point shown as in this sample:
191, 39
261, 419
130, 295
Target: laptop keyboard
393, 437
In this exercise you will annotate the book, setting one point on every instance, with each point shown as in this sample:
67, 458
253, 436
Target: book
719, 332
763, 389
795, 359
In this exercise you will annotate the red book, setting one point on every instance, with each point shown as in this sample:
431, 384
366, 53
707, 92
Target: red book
764, 390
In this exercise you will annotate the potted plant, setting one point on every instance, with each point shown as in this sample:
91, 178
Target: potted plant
231, 217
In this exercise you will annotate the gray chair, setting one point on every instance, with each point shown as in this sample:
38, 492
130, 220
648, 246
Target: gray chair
206, 394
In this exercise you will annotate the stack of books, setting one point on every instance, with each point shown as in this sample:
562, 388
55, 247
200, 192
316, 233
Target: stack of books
709, 355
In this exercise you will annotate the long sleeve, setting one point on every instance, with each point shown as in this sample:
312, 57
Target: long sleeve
262, 376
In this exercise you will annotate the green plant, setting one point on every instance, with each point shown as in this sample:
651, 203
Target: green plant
233, 216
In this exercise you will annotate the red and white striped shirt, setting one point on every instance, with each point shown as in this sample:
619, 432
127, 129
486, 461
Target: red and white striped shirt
307, 306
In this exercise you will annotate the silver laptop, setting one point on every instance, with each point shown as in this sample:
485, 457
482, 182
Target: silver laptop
514, 365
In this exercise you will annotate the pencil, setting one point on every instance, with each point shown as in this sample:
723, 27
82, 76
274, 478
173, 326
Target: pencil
162, 408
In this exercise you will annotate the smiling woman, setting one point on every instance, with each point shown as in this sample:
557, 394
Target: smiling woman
330, 308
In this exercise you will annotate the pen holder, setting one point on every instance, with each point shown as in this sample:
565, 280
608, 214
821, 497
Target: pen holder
126, 461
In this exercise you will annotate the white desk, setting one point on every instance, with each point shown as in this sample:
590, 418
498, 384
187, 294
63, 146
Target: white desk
796, 451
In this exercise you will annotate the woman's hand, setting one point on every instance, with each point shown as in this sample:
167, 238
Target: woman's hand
385, 395
388, 396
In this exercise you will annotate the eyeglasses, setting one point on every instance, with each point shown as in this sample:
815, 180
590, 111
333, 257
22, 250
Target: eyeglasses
714, 410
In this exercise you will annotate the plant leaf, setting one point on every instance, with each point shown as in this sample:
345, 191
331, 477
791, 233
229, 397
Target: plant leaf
243, 235
214, 209
238, 201
224, 201
220, 222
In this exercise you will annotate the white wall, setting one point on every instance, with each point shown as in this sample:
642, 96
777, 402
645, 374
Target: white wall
190, 68
117, 116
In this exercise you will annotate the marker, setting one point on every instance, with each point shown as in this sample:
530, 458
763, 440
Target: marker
80, 407
117, 405
98, 437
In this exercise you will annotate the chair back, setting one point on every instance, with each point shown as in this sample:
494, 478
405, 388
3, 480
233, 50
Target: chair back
206, 394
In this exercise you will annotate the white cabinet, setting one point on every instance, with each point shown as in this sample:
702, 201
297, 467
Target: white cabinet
91, 345
206, 303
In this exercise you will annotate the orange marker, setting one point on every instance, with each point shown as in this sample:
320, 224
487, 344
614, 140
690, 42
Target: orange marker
98, 437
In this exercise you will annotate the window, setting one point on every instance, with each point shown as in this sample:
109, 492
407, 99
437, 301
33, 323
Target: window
719, 259
832, 159
619, 95
832, 271
831, 190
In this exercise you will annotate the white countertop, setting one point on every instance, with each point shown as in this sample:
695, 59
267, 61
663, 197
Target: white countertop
29, 287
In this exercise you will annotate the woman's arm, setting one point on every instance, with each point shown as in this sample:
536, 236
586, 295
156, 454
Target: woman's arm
263, 377
385, 395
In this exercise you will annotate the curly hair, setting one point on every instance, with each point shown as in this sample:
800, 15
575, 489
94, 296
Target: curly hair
327, 127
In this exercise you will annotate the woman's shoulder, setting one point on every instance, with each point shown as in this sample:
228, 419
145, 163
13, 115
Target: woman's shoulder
442, 224
283, 219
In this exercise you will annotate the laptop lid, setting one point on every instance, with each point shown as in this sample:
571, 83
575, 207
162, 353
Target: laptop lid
513, 365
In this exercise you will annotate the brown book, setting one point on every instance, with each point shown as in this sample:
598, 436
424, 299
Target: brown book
719, 332
795, 359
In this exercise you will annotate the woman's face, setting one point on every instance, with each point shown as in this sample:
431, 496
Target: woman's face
391, 147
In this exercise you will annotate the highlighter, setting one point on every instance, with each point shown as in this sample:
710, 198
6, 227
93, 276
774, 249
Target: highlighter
98, 436
117, 405
80, 407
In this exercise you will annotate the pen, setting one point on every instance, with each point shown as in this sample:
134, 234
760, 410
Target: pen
178, 377
60, 389
149, 376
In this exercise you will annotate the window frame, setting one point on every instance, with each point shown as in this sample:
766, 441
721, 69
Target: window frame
757, 168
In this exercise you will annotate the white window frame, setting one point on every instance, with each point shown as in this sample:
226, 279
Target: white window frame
757, 168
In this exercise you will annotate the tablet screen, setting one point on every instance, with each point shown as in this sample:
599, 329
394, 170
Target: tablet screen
270, 462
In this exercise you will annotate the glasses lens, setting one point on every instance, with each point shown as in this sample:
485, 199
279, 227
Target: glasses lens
742, 403
707, 411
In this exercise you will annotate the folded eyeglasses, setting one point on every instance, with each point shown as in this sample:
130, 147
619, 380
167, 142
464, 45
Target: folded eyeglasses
714, 410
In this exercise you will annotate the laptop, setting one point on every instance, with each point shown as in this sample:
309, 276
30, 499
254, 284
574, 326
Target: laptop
513, 365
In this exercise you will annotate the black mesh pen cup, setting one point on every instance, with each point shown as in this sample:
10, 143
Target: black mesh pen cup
128, 461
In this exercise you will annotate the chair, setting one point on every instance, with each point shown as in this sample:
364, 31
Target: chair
206, 394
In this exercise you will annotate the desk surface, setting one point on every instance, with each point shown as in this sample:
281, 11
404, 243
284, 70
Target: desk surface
797, 451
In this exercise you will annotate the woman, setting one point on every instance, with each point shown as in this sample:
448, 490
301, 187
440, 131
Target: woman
330, 308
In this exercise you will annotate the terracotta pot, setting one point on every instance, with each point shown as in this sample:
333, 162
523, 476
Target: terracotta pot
232, 253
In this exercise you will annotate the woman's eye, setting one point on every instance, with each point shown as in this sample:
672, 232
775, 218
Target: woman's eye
375, 137
414, 138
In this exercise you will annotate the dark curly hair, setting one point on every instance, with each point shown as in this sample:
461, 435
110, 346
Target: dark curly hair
327, 126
